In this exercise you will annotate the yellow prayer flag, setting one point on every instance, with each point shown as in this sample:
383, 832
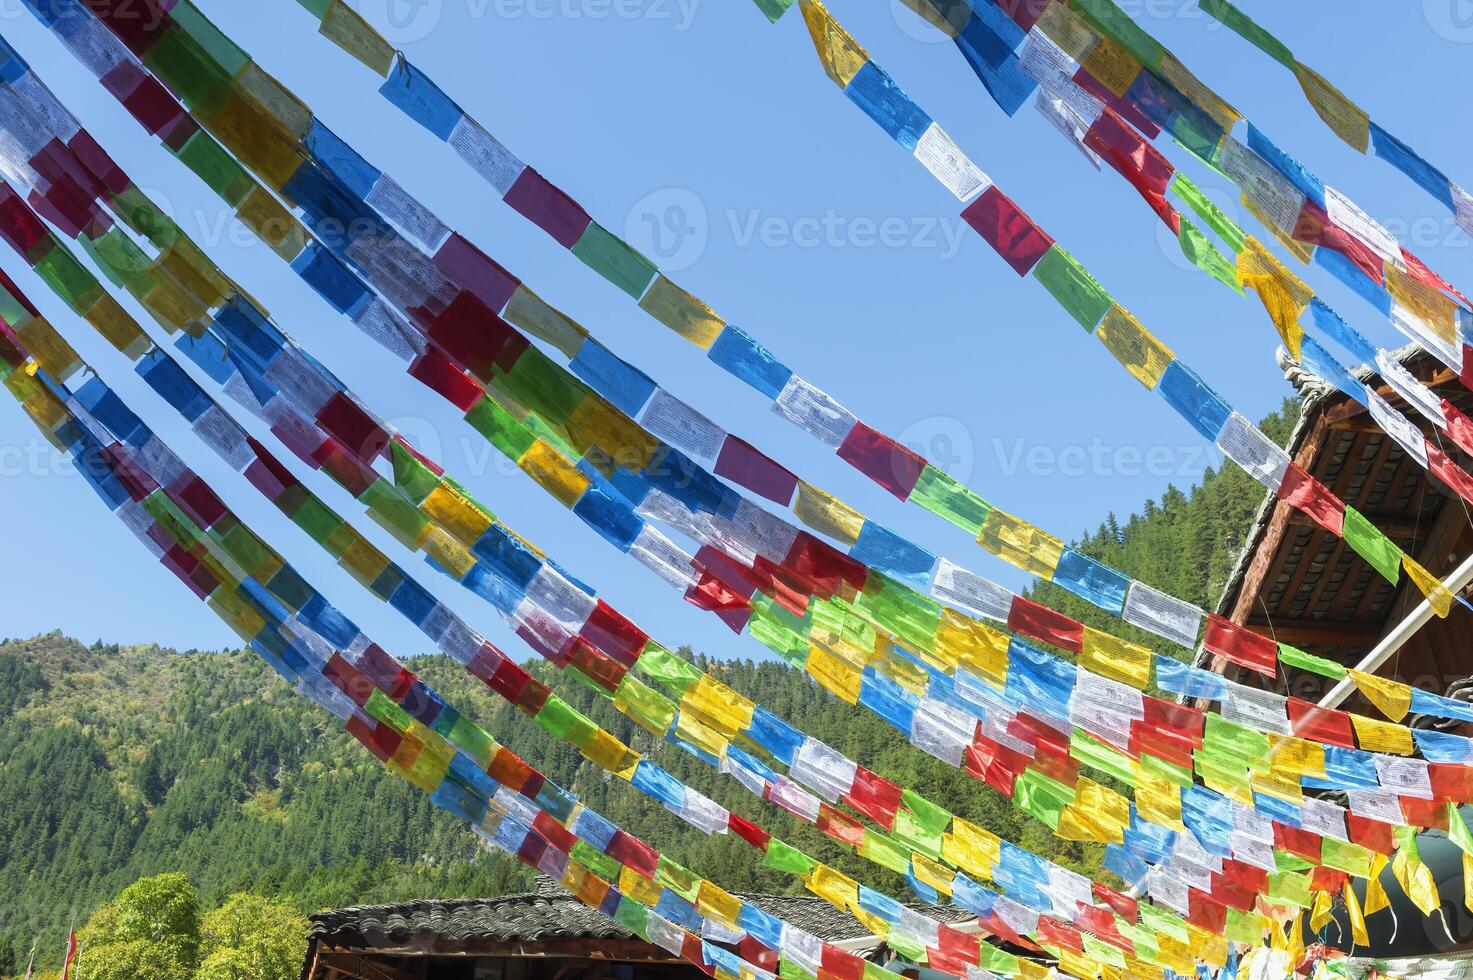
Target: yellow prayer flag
1158, 801
1113, 65
971, 848
1468, 880
1208, 946
834, 887
113, 323
344, 27
612, 755
1298, 756
1374, 735
1030, 970
1140, 353
827, 514
1074, 965
553, 472
1019, 543
1117, 659
1393, 697
841, 55
366, 563
723, 708
929, 872
718, 903
1303, 251
682, 312
1429, 304
1197, 92
56, 357
1416, 880
530, 312
1098, 813
454, 512
965, 642
833, 674
272, 223
1321, 911
1439, 596
639, 888
1376, 898
1282, 293
690, 727
1349, 121
1357, 917
596, 422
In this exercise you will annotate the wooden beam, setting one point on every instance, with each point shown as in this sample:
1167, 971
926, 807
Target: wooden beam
1308, 632
1351, 414
1399, 528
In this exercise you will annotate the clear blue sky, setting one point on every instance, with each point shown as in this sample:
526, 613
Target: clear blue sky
794, 216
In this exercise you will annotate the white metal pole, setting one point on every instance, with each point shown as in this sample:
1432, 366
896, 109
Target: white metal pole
1398, 637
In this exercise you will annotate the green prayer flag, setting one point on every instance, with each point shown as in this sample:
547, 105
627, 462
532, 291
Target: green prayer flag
1161, 920
1353, 859
916, 836
596, 861
392, 512
556, 717
385, 711
666, 669
788, 970
1159, 768
778, 630
949, 500
1205, 256
539, 384
314, 517
931, 816
1290, 888
632, 916
68, 278
1294, 657
1105, 758
884, 851
911, 616
502, 429
1227, 740
773, 9
1041, 796
1368, 542
994, 959
317, 8
614, 259
1072, 287
1457, 830
413, 477
1243, 927
1235, 19
906, 948
1118, 26
1285, 861
1102, 952
678, 878
778, 856
1226, 228
644, 705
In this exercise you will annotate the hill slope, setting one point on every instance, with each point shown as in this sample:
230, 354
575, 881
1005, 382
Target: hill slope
117, 762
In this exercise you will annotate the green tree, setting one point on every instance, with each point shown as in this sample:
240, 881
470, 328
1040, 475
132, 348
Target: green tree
252, 938
150, 932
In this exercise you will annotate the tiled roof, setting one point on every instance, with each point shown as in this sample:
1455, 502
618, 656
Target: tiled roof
551, 913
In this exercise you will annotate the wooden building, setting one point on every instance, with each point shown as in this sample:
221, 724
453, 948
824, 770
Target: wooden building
1302, 585
543, 935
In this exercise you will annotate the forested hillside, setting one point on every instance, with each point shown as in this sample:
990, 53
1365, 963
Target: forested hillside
120, 762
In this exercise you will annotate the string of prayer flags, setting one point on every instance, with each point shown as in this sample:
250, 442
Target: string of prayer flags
1021, 244
1348, 121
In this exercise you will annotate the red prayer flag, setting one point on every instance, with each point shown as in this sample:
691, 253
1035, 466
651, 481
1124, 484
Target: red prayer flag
1004, 226
1042, 623
882, 459
473, 269
1318, 724
745, 465
1241, 645
1304, 492
874, 796
547, 207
